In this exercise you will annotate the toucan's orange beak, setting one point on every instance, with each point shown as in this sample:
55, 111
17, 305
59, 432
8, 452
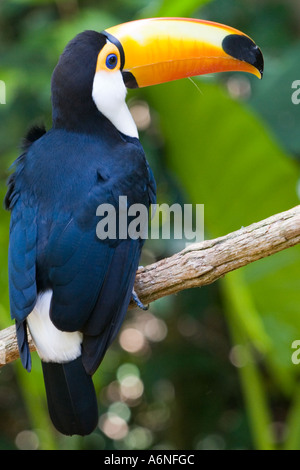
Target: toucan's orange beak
159, 50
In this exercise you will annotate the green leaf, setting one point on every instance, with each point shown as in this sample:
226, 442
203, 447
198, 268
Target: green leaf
225, 159
180, 8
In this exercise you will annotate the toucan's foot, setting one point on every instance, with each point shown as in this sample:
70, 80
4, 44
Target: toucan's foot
138, 302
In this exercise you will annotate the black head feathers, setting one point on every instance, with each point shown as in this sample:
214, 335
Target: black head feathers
72, 80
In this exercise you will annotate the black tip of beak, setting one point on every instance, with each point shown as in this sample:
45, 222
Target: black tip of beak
243, 48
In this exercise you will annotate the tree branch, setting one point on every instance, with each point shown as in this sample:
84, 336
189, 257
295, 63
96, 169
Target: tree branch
199, 264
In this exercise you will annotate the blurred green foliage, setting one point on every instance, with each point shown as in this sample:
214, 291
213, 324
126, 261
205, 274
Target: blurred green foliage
212, 367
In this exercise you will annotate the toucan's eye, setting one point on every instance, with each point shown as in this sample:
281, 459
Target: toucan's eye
111, 61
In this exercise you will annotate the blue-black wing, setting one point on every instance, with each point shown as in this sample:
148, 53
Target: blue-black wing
21, 263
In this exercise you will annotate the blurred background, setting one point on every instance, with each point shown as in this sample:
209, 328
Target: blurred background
210, 368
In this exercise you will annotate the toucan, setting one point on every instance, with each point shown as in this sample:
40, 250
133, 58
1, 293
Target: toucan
69, 288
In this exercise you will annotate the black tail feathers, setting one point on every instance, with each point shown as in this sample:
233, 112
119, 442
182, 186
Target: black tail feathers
71, 397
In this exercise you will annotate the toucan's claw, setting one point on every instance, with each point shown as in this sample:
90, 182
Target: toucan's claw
138, 302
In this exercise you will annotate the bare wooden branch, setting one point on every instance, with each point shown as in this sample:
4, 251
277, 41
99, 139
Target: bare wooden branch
200, 264
203, 263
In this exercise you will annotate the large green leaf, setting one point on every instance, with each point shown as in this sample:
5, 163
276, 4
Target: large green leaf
225, 159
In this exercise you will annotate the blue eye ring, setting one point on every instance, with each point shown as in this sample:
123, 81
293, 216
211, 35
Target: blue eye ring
111, 61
